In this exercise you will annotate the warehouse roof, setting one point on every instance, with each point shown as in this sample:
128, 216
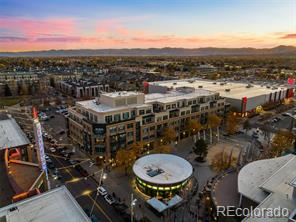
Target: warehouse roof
11, 134
55, 205
236, 90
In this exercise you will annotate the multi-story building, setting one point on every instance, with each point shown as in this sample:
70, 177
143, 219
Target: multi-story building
82, 88
244, 97
119, 119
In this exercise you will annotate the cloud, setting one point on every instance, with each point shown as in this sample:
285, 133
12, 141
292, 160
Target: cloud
33, 27
289, 36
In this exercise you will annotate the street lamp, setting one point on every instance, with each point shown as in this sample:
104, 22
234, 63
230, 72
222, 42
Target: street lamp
133, 203
103, 176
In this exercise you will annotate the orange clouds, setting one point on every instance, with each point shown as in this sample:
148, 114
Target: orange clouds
23, 34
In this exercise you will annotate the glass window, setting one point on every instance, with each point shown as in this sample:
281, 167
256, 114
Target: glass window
165, 117
142, 112
108, 119
174, 106
168, 107
125, 115
130, 125
117, 117
148, 111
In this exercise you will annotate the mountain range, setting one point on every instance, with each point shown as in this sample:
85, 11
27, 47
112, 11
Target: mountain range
209, 51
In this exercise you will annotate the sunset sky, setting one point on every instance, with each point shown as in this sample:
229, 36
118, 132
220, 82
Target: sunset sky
27, 25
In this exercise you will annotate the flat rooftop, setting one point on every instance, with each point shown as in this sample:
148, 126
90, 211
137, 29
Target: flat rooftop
270, 183
238, 90
175, 95
122, 94
11, 134
24, 174
162, 169
101, 108
55, 205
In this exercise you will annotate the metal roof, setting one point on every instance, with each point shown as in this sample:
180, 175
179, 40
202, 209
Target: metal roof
55, 205
174, 169
11, 135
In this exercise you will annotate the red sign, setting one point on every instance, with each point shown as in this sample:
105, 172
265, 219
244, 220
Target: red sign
291, 81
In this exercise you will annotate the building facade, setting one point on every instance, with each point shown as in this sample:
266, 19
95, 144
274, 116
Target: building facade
118, 119
244, 97
81, 88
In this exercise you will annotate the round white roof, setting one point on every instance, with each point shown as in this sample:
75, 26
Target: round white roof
162, 169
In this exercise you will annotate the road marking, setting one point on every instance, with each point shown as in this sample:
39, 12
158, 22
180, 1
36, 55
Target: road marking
100, 208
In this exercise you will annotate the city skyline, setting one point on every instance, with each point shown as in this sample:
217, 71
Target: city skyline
30, 26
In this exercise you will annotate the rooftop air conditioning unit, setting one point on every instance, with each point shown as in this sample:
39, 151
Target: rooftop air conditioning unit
200, 87
227, 90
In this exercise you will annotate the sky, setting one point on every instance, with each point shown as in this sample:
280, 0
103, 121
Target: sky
30, 25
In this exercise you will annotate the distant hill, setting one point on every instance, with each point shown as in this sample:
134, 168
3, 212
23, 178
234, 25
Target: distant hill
209, 51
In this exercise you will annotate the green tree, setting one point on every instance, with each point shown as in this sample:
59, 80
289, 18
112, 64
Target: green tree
200, 149
247, 125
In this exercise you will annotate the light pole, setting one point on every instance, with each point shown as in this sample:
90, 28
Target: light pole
102, 176
133, 203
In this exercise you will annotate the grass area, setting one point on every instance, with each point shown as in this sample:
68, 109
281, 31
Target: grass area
9, 101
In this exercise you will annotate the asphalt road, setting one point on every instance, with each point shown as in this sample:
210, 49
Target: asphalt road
84, 191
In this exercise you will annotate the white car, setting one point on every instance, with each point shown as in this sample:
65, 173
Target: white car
110, 200
102, 191
53, 150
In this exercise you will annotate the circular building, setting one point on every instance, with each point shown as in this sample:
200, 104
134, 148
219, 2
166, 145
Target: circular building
161, 175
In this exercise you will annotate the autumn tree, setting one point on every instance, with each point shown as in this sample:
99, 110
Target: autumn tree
193, 127
223, 161
125, 158
282, 141
214, 121
169, 135
231, 123
162, 148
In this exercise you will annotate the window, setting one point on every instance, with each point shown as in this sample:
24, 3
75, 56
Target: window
142, 112
133, 113
188, 112
168, 107
182, 113
165, 117
125, 115
108, 119
190, 103
174, 106
148, 111
117, 117
130, 125
158, 119
194, 101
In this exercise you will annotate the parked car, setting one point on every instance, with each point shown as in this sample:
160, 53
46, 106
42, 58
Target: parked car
286, 114
102, 191
52, 149
73, 162
110, 200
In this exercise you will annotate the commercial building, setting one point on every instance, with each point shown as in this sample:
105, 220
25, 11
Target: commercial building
119, 119
269, 184
161, 175
81, 88
55, 205
244, 97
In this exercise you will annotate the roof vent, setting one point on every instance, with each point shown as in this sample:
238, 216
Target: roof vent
227, 90
200, 87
